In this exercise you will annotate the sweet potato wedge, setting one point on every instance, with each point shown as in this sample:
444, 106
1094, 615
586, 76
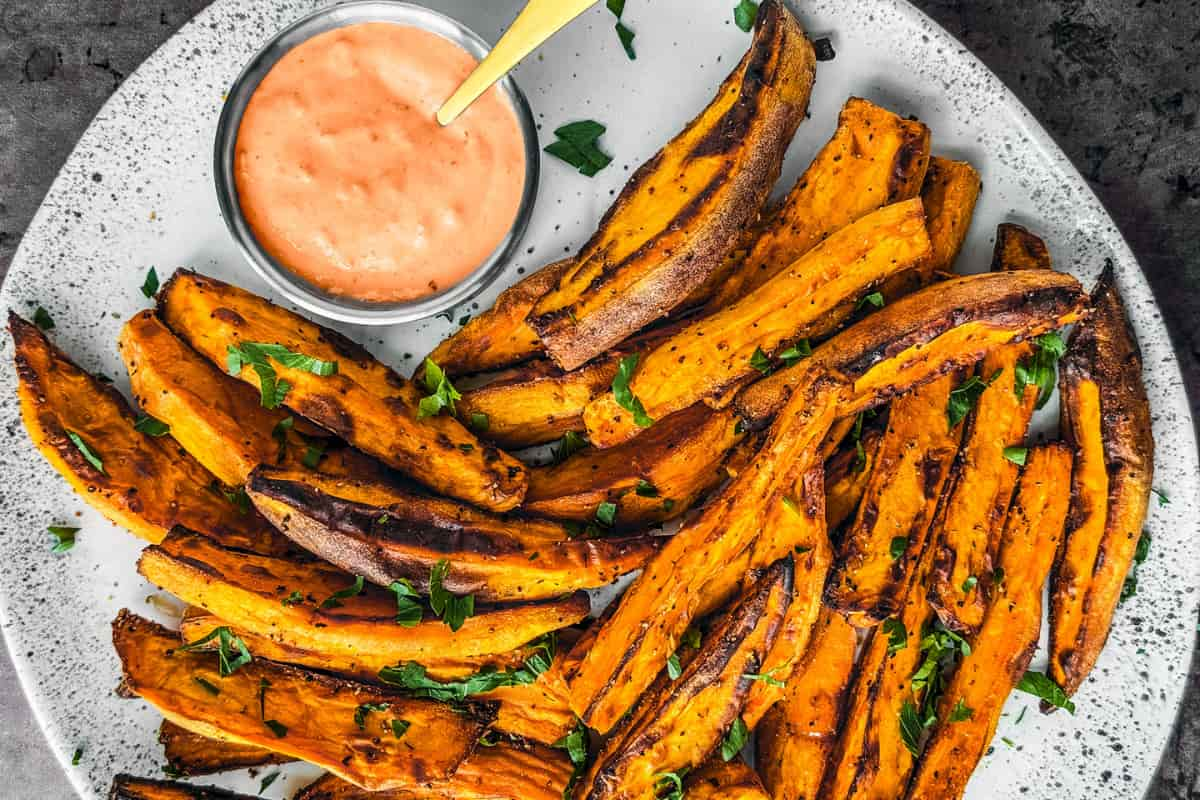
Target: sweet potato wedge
386, 534
679, 722
1106, 419
846, 477
140, 482
682, 212
874, 158
364, 402
505, 771
500, 337
127, 787
796, 735
190, 753
717, 779
711, 358
305, 715
656, 610
980, 486
879, 553
288, 603
1008, 636
949, 194
937, 330
679, 457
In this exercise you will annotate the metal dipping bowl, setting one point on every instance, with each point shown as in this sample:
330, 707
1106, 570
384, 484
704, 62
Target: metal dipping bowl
276, 274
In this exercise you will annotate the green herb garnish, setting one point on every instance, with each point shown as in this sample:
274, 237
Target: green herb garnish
969, 583
674, 668
624, 395
258, 356
767, 677
797, 352
360, 713
399, 727
442, 393
873, 299
898, 546
65, 536
964, 397
150, 285
313, 453
150, 426
735, 739
412, 676
278, 728
267, 781
453, 609
279, 434
228, 642
87, 452
576, 145
760, 362
479, 421
42, 318
1041, 685
744, 14
1129, 589
207, 686
570, 443
292, 599
1040, 369
645, 489
961, 712
408, 607
912, 728
897, 635
606, 514
76, 756
1017, 455
335, 599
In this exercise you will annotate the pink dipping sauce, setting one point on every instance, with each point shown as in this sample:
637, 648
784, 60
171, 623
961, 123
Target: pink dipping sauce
348, 181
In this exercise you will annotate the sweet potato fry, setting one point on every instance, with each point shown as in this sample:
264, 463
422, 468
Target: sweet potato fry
85, 429
386, 534
879, 553
1008, 636
683, 211
500, 337
660, 604
505, 771
192, 754
949, 194
1017, 248
674, 462
874, 158
364, 402
679, 722
1106, 419
920, 337
717, 779
711, 358
290, 603
846, 477
127, 787
796, 735
305, 715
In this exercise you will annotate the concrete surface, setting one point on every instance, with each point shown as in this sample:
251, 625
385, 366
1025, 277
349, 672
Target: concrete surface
1117, 82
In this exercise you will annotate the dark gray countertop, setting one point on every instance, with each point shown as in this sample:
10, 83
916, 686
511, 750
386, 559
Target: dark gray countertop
1116, 82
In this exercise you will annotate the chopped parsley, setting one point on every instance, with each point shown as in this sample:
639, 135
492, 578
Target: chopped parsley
88, 454
669, 785
278, 728
576, 745
961, 712
873, 299
267, 781
292, 599
206, 685
408, 607
964, 397
767, 677
1041, 685
42, 318
1017, 455
897, 635
624, 395
760, 362
65, 536
399, 727
258, 356
570, 443
735, 739
1163, 500
626, 37
691, 638
360, 713
744, 14
313, 453
232, 653
576, 144
442, 393
912, 728
479, 421
606, 514
453, 609
236, 497
1040, 369
279, 434
898, 546
674, 668
645, 489
150, 426
76, 756
969, 583
412, 676
150, 285
1130, 588
335, 599
797, 352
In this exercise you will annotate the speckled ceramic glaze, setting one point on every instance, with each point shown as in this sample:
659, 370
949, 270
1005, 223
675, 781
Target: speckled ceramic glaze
137, 192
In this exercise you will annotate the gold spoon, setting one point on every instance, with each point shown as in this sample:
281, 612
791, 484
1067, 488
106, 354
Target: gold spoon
537, 22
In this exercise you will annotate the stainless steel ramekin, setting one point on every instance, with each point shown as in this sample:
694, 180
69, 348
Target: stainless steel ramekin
296, 288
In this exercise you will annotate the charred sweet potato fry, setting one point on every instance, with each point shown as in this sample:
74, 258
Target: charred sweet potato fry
657, 476
679, 722
711, 358
1008, 636
505, 771
127, 787
949, 194
386, 534
192, 754
305, 715
289, 603
980, 486
796, 735
85, 429
500, 337
717, 779
1106, 419
879, 553
364, 402
683, 211
846, 477
937, 330
874, 158
656, 610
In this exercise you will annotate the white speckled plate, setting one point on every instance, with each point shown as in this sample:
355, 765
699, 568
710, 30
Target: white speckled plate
137, 192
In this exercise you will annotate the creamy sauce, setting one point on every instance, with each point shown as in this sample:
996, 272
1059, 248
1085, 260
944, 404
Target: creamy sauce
347, 179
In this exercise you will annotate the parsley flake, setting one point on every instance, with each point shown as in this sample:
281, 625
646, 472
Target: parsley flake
42, 318
744, 15
227, 643
735, 739
898, 546
873, 299
576, 145
150, 426
335, 600
65, 536
961, 712
674, 668
1040, 369
442, 393
1043, 686
760, 362
88, 454
412, 676
1017, 455
150, 285
408, 607
797, 352
259, 355
624, 395
964, 397
267, 781
453, 609
606, 514
897, 635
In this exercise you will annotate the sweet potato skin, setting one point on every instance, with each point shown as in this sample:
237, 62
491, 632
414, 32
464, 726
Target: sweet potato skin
938, 330
796, 735
146, 485
681, 456
874, 158
358, 637
711, 358
192, 754
365, 403
846, 478
1106, 419
500, 337
1008, 636
900, 501
656, 610
1017, 248
683, 210
949, 194
127, 787
386, 539
679, 722
716, 779
505, 771
318, 712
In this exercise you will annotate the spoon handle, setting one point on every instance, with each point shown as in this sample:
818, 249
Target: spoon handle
536, 23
